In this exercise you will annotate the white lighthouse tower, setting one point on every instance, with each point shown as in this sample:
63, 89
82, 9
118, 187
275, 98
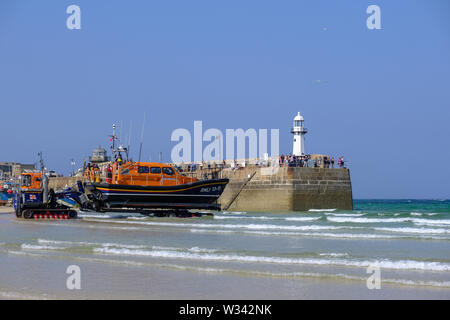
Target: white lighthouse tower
299, 132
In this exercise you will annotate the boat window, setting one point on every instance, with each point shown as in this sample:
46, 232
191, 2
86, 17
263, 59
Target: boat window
26, 180
169, 171
125, 171
155, 170
143, 170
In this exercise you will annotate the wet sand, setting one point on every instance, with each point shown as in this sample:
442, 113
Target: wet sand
7, 210
26, 277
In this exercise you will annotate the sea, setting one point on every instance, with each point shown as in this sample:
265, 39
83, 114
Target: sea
383, 249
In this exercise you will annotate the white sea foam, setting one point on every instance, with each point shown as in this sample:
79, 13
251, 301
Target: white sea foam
387, 220
346, 214
164, 248
416, 230
118, 245
334, 254
366, 220
416, 214
321, 210
320, 234
234, 212
229, 226
36, 247
246, 217
434, 225
431, 222
94, 216
82, 243
303, 219
45, 241
388, 264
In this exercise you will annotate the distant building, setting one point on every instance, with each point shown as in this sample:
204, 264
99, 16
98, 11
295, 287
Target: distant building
13, 169
99, 155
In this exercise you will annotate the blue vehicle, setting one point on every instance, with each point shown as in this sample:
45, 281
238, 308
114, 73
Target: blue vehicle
35, 199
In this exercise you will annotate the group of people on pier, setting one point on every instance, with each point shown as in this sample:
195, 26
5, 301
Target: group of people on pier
94, 173
306, 161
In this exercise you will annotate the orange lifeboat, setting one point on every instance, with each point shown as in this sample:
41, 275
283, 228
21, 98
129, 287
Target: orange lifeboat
153, 185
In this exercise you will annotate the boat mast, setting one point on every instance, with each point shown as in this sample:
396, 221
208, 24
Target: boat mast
142, 138
117, 152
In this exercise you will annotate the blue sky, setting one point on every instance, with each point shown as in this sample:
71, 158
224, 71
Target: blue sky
383, 99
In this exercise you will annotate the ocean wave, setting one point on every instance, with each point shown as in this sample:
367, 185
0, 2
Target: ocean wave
416, 230
387, 220
197, 249
321, 210
305, 219
37, 247
322, 235
137, 218
366, 220
301, 219
82, 243
229, 226
430, 221
385, 263
94, 216
234, 212
216, 217
334, 254
346, 214
114, 245
434, 225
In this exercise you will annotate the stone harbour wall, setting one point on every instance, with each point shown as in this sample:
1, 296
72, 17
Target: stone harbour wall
278, 189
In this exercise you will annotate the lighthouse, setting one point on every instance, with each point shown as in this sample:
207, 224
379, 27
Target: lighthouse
299, 132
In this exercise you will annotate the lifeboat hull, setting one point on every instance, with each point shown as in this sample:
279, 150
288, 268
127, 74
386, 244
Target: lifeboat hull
197, 195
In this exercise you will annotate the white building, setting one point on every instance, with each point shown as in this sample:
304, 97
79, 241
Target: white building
299, 132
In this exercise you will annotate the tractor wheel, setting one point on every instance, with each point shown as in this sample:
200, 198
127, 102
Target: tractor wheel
18, 205
72, 214
18, 212
27, 214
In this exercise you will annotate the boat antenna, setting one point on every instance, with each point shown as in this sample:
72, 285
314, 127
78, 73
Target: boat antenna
113, 139
121, 131
41, 161
142, 138
129, 136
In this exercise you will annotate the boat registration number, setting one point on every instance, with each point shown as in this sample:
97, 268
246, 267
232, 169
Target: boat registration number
211, 189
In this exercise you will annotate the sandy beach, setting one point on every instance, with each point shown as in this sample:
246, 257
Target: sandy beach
109, 279
5, 209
